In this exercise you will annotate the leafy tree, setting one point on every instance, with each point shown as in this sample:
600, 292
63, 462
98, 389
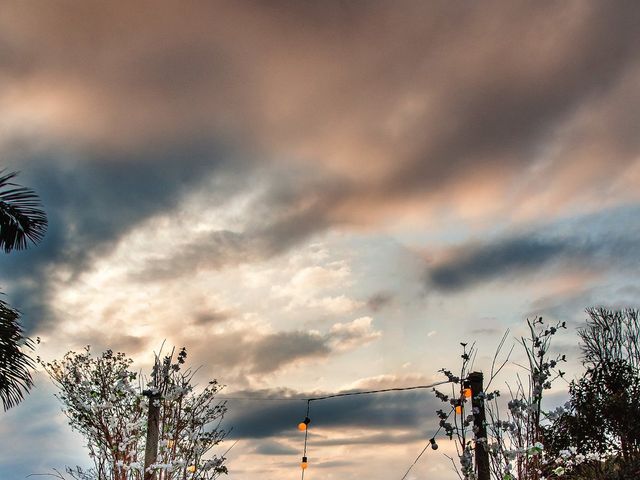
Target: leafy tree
107, 403
600, 428
21, 221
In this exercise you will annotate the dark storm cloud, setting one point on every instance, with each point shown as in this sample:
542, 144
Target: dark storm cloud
474, 264
422, 96
278, 349
405, 411
604, 242
500, 110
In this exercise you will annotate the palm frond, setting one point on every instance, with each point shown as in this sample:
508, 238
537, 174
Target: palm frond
15, 364
21, 216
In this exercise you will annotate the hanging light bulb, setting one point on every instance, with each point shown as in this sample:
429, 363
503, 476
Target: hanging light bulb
191, 468
434, 445
170, 443
302, 426
304, 464
458, 408
466, 392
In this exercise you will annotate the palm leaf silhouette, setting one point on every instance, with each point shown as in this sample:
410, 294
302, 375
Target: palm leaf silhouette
15, 363
22, 219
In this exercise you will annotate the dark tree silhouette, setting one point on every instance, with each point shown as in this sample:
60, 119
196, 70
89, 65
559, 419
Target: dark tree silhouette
22, 221
603, 412
15, 364
21, 217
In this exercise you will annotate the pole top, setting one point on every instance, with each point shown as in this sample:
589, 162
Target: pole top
151, 393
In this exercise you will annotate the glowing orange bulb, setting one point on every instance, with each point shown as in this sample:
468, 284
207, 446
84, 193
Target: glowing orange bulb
304, 463
191, 468
467, 393
459, 409
302, 426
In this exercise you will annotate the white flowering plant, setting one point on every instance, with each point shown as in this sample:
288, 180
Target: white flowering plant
108, 403
515, 427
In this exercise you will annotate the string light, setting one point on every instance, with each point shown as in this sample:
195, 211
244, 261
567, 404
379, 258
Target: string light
191, 468
466, 392
433, 444
302, 426
458, 407
304, 464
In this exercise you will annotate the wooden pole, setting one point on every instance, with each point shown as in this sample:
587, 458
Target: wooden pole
153, 432
479, 425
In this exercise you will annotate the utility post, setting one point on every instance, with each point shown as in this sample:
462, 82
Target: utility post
153, 427
479, 424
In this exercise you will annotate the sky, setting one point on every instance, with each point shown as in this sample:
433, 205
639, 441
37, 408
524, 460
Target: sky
315, 197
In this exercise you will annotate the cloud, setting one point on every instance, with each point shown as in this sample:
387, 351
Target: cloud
212, 317
274, 221
393, 412
345, 336
254, 353
366, 114
601, 241
91, 204
274, 448
473, 264
439, 112
379, 300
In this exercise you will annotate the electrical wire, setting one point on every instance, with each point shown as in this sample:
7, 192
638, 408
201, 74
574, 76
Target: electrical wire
368, 392
335, 395
426, 446
263, 399
306, 435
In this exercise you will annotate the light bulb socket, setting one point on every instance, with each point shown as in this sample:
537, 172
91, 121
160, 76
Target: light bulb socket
306, 420
304, 459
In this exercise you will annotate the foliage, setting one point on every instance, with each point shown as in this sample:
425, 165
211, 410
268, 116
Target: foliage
21, 220
15, 363
611, 335
600, 428
106, 403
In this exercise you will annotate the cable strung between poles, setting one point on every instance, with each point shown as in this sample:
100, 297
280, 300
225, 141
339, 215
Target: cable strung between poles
348, 394
399, 389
